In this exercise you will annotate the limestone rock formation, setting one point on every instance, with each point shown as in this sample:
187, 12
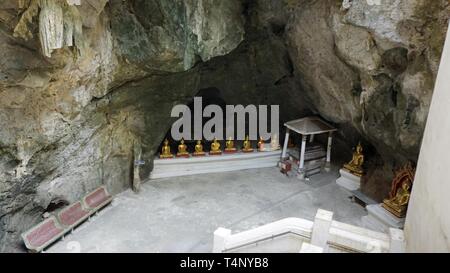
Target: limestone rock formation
68, 123
370, 64
84, 84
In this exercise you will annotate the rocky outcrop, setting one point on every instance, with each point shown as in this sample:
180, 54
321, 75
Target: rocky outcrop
73, 121
371, 65
82, 100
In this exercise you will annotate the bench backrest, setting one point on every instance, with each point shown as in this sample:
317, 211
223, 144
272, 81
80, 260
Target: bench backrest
97, 198
73, 214
43, 234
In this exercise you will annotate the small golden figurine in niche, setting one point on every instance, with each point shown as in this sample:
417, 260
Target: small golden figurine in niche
182, 149
229, 146
398, 200
199, 149
247, 146
215, 148
165, 150
355, 165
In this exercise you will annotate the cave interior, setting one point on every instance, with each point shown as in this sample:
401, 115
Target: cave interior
75, 108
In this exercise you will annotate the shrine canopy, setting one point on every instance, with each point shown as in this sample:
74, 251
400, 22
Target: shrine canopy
310, 126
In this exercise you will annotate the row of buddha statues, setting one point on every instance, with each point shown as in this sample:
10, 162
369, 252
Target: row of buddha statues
397, 202
215, 148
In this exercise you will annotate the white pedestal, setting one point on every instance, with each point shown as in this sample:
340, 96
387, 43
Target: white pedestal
164, 168
348, 180
381, 220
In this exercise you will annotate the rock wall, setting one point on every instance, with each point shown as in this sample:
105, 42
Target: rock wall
370, 66
73, 115
73, 121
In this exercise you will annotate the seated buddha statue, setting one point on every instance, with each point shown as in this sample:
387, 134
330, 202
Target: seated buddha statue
261, 143
355, 165
229, 146
398, 204
215, 148
165, 150
274, 143
247, 146
182, 149
199, 149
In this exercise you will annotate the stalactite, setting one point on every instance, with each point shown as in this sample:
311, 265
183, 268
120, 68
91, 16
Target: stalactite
51, 26
59, 24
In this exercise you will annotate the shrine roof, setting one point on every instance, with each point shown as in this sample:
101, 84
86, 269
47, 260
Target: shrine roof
310, 126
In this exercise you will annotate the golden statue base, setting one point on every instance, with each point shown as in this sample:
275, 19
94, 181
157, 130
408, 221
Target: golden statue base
351, 170
397, 212
185, 155
165, 156
248, 150
230, 151
215, 153
199, 154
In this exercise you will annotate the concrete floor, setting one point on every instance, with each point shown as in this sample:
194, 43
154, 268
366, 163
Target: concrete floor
181, 214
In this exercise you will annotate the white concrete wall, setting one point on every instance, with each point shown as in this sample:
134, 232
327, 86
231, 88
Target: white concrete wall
289, 235
427, 226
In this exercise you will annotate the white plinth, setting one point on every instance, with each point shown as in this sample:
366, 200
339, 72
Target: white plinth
214, 164
349, 181
381, 220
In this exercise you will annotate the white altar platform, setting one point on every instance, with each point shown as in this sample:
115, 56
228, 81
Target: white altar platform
174, 167
380, 219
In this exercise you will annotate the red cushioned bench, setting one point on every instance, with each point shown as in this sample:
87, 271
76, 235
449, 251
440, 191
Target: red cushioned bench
42, 235
97, 199
51, 229
73, 215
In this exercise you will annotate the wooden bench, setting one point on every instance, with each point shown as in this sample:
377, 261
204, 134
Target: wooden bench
97, 199
73, 215
42, 235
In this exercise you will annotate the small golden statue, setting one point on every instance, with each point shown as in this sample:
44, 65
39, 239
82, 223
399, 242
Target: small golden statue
261, 143
215, 148
355, 165
247, 146
229, 146
165, 151
182, 149
199, 149
397, 203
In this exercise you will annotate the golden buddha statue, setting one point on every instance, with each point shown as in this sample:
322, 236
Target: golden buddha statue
199, 149
355, 165
215, 148
261, 143
182, 149
229, 146
398, 204
165, 150
247, 146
